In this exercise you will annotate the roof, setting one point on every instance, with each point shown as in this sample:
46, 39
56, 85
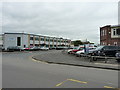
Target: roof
113, 26
37, 35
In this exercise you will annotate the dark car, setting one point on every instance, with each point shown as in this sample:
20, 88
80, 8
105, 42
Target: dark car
61, 48
118, 56
35, 48
1, 48
14, 48
106, 51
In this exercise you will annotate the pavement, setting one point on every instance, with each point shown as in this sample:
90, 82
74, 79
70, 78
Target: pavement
59, 57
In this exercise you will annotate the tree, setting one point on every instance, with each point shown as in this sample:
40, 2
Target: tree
77, 43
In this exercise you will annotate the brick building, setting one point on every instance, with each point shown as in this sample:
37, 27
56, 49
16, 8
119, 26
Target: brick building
110, 35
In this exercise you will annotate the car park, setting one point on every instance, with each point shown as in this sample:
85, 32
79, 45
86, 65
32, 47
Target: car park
105, 51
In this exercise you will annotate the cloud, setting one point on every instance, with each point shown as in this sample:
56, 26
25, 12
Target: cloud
74, 20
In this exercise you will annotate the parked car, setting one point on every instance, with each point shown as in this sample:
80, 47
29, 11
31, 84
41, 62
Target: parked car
14, 48
76, 50
78, 53
1, 48
118, 56
61, 48
34, 48
52, 48
27, 48
105, 50
44, 48
72, 48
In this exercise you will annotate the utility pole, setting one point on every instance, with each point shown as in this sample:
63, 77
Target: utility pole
22, 39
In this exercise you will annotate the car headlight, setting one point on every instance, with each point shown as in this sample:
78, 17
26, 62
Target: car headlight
99, 52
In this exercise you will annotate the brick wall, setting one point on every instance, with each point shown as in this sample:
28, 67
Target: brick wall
105, 36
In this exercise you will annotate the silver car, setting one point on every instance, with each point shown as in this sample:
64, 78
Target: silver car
44, 48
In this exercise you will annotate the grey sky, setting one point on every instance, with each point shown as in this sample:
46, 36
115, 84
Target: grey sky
74, 20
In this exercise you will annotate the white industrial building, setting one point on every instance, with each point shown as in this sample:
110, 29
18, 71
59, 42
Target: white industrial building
28, 40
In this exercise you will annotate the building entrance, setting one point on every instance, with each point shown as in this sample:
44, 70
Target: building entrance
18, 41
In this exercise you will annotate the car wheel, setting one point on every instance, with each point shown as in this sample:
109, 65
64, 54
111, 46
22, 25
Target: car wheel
118, 60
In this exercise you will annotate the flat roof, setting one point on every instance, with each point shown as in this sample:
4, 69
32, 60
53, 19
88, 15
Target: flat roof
112, 26
115, 25
37, 35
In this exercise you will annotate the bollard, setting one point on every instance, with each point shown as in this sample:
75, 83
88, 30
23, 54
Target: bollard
105, 59
91, 58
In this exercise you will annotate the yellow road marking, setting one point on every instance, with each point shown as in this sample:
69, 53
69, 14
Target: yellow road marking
61, 83
39, 61
108, 87
77, 81
30, 57
71, 80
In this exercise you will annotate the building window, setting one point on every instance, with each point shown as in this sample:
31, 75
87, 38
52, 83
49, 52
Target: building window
58, 40
42, 39
36, 44
31, 38
51, 40
55, 40
118, 31
47, 39
37, 38
101, 33
105, 32
115, 43
114, 32
103, 43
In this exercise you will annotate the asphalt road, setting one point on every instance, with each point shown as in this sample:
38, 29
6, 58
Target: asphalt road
20, 71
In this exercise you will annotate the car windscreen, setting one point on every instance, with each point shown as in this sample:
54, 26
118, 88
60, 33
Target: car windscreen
75, 48
99, 48
91, 48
